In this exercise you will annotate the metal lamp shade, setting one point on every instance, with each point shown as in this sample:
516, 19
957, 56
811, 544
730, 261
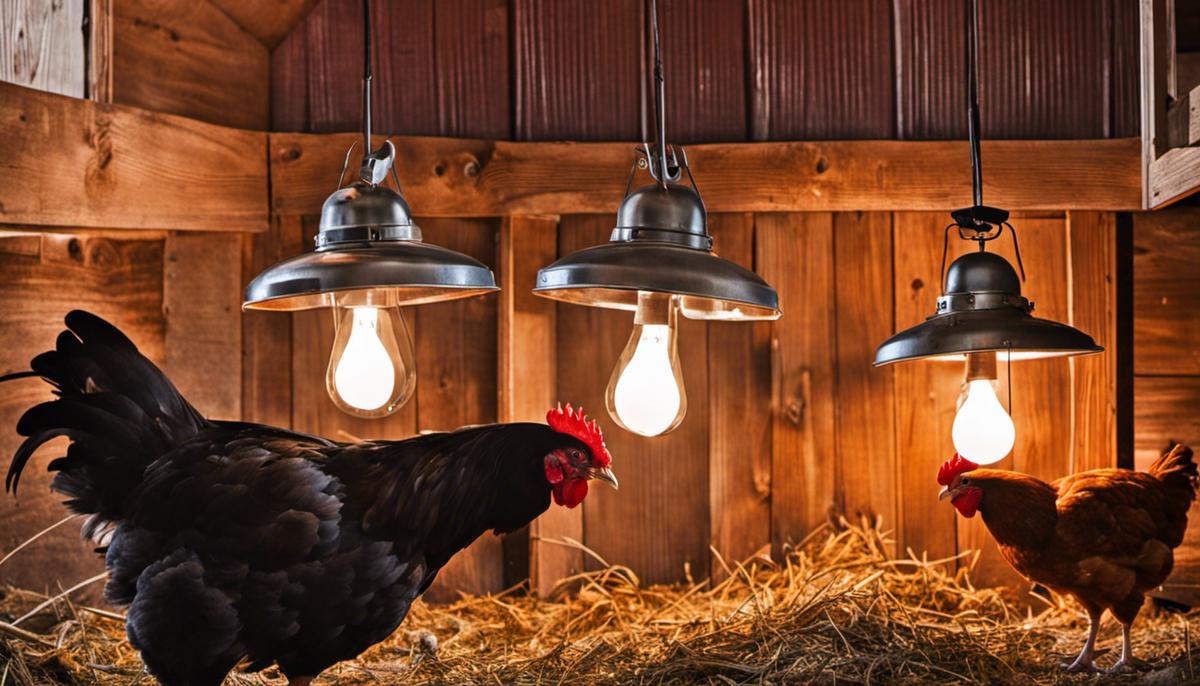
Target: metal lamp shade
983, 311
660, 244
369, 252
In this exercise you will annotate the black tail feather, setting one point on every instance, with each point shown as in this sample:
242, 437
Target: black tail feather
118, 409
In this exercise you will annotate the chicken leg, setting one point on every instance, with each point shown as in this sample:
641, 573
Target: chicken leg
1126, 651
1083, 663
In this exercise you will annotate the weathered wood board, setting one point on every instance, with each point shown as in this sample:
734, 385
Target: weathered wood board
479, 178
74, 163
42, 45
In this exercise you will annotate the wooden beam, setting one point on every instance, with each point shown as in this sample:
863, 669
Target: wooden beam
270, 21
77, 163
462, 177
528, 381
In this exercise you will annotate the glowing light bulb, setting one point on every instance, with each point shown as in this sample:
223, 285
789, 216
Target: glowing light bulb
371, 370
983, 432
645, 393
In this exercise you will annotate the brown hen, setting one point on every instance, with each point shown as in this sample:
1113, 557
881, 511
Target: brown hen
1104, 536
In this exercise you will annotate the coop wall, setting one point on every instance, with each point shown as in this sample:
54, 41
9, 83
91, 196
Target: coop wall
788, 423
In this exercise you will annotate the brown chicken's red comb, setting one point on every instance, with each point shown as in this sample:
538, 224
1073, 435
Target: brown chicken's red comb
953, 467
573, 423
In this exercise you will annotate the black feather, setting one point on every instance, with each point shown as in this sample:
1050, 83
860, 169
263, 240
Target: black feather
233, 541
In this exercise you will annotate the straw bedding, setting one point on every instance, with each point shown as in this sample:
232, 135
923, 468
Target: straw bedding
839, 609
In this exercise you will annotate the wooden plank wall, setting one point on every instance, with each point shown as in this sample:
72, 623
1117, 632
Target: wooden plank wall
173, 294
789, 422
780, 421
1166, 353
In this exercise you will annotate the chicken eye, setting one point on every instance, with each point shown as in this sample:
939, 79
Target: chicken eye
965, 481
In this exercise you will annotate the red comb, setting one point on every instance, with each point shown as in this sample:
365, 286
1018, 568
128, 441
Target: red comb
953, 467
573, 423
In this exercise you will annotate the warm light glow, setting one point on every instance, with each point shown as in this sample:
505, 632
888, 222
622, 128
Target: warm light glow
371, 371
646, 394
983, 432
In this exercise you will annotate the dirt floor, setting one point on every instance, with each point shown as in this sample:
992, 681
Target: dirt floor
838, 610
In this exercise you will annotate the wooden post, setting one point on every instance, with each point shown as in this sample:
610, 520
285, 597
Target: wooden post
527, 380
867, 467
1092, 242
794, 253
739, 392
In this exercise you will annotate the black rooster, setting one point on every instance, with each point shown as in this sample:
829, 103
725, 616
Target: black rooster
241, 543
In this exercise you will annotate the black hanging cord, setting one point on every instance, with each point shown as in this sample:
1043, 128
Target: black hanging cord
660, 111
366, 114
978, 218
973, 131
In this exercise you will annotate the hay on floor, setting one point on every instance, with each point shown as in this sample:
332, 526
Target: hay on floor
839, 609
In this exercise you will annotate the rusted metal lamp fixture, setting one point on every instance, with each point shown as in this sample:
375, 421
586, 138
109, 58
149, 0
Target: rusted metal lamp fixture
368, 263
659, 263
981, 311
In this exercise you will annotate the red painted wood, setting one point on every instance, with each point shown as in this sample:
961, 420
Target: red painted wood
289, 83
1064, 69
704, 63
471, 63
405, 79
440, 68
929, 76
1126, 90
577, 69
821, 70
334, 58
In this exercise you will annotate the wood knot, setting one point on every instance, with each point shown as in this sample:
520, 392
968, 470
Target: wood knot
917, 284
471, 169
822, 164
793, 410
101, 253
290, 154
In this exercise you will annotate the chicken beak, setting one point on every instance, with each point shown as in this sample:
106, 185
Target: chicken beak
947, 493
604, 474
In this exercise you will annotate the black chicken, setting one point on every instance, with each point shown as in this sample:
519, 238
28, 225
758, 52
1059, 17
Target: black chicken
242, 543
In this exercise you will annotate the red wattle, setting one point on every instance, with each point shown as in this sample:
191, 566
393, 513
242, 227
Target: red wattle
573, 492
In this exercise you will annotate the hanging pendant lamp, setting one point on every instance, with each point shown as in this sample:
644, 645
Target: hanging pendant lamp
369, 261
982, 311
659, 263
